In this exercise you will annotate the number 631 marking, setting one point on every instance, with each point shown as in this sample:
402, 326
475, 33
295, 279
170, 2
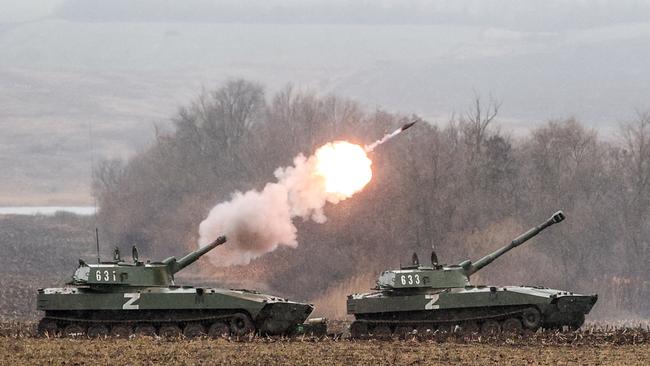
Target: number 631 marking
108, 276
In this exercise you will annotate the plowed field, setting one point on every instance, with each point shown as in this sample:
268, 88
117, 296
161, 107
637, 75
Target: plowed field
621, 346
32, 351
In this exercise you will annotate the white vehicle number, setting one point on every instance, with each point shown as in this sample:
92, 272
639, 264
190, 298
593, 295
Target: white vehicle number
105, 276
410, 279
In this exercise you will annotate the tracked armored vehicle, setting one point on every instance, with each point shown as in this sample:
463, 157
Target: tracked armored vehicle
420, 299
119, 298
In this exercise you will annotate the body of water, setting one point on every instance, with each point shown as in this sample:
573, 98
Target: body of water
46, 210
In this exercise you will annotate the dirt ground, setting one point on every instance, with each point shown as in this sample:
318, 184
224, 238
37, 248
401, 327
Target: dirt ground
146, 351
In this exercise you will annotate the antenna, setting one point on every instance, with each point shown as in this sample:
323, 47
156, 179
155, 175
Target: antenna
97, 242
92, 176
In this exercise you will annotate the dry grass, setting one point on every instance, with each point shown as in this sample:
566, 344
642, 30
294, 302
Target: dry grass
594, 345
22, 351
332, 303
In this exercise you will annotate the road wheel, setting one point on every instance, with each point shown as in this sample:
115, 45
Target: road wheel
219, 330
48, 328
170, 331
74, 331
512, 325
470, 327
358, 330
403, 331
382, 332
97, 331
425, 331
121, 331
241, 324
145, 330
531, 319
490, 327
194, 330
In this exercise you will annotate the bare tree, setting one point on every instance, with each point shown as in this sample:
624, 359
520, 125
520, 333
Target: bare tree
636, 168
475, 123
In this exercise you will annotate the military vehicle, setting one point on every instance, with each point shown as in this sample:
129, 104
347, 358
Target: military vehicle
421, 299
119, 298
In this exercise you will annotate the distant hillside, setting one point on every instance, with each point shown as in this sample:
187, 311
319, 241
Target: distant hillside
511, 14
61, 74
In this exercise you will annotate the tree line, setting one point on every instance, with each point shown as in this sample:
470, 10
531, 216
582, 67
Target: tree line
463, 187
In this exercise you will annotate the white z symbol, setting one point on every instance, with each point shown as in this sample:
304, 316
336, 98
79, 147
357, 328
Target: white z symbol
133, 297
430, 305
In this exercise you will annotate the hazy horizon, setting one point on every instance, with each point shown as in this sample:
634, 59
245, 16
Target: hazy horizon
114, 69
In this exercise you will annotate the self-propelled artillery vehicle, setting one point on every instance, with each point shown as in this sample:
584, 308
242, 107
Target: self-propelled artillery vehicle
120, 298
423, 299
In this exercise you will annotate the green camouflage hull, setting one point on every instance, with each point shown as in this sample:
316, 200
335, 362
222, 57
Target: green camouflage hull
82, 308
470, 308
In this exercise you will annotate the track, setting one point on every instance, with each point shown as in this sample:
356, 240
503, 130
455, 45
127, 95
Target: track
214, 326
515, 320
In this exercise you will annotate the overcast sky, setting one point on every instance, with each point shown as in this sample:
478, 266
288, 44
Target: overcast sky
16, 11
522, 14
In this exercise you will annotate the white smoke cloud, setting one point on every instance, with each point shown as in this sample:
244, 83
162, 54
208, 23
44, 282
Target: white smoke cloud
258, 222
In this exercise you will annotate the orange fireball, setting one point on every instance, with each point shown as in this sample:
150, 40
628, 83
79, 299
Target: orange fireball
345, 167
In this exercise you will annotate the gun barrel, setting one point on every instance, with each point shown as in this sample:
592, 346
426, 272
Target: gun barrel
177, 265
556, 218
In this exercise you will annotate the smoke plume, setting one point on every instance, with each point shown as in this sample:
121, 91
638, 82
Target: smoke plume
258, 222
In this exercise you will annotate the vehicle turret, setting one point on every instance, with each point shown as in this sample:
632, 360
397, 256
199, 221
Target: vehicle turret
105, 275
417, 277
